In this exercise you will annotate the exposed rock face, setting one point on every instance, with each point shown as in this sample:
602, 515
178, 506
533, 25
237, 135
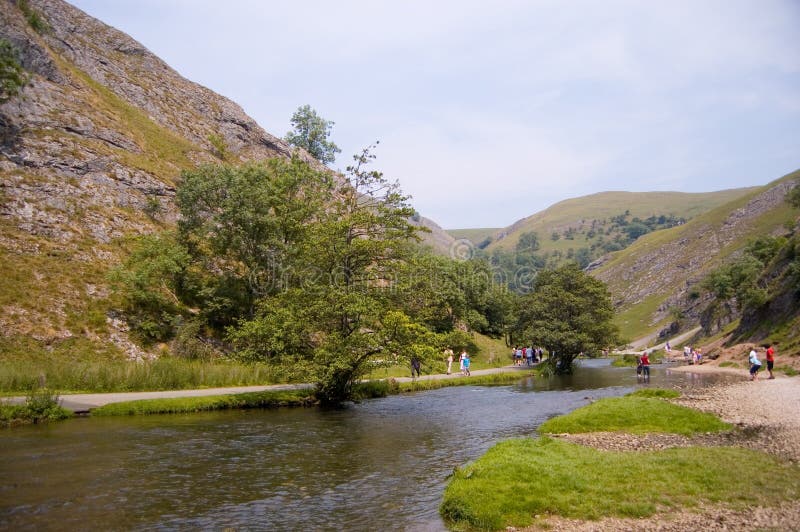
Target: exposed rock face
675, 268
90, 152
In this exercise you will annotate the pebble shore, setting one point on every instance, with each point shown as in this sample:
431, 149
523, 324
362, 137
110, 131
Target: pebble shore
766, 414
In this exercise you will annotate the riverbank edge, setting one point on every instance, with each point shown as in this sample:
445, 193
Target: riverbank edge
715, 516
297, 396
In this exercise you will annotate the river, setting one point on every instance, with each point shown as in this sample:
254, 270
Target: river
378, 465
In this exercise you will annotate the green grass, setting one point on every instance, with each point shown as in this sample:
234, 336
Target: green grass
476, 236
518, 479
729, 364
273, 399
637, 415
604, 205
788, 371
41, 405
182, 405
659, 393
114, 375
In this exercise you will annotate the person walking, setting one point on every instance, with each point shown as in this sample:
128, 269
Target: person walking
461, 359
466, 364
755, 364
415, 366
770, 360
449, 353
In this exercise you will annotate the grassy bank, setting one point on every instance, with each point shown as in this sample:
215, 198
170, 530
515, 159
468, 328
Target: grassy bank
519, 479
40, 406
182, 405
273, 399
636, 415
99, 376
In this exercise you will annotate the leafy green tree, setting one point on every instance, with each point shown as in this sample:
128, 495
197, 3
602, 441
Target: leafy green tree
248, 230
340, 319
12, 76
311, 133
528, 242
568, 313
149, 283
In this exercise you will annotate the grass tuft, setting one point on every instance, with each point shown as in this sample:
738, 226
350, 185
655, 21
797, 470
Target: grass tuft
658, 393
637, 415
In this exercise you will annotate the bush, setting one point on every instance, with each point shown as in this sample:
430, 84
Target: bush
41, 405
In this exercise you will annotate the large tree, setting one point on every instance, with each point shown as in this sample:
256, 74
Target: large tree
568, 312
340, 320
310, 132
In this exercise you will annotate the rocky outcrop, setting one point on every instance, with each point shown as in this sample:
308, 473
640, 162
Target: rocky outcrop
672, 270
90, 152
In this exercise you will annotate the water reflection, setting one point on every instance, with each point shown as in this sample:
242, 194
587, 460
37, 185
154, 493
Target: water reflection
379, 464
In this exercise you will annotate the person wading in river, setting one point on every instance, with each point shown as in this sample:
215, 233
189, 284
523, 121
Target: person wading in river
645, 360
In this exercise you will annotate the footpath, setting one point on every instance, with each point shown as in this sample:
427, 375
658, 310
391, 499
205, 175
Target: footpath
83, 402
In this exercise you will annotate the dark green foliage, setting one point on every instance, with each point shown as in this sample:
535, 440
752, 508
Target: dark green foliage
568, 313
311, 133
793, 196
41, 405
12, 76
148, 284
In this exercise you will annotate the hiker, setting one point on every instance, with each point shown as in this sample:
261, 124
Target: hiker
466, 364
461, 359
529, 355
449, 353
770, 360
415, 365
755, 364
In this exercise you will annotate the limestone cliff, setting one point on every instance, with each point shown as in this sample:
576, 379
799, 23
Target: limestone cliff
90, 151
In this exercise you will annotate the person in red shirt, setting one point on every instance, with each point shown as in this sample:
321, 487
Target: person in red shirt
770, 361
645, 361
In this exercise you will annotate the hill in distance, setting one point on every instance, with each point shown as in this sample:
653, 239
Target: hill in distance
573, 219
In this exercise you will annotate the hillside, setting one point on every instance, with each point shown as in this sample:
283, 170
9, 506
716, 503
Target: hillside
476, 236
657, 278
581, 222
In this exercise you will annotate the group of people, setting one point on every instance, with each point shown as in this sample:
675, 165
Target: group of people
692, 356
529, 355
463, 361
755, 363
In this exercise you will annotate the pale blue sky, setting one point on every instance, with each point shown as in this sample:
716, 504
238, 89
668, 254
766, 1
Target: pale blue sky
490, 111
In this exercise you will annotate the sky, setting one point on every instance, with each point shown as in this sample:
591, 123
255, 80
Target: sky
488, 112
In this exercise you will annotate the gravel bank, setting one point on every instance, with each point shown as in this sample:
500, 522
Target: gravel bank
767, 418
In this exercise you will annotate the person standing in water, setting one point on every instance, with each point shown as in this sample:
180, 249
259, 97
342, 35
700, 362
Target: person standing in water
645, 360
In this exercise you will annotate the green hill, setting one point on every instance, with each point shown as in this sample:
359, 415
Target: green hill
657, 279
582, 222
476, 236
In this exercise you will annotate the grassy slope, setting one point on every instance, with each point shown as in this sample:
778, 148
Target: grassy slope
636, 320
476, 236
604, 205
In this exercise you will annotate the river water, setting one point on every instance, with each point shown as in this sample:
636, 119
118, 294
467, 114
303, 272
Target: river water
380, 464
